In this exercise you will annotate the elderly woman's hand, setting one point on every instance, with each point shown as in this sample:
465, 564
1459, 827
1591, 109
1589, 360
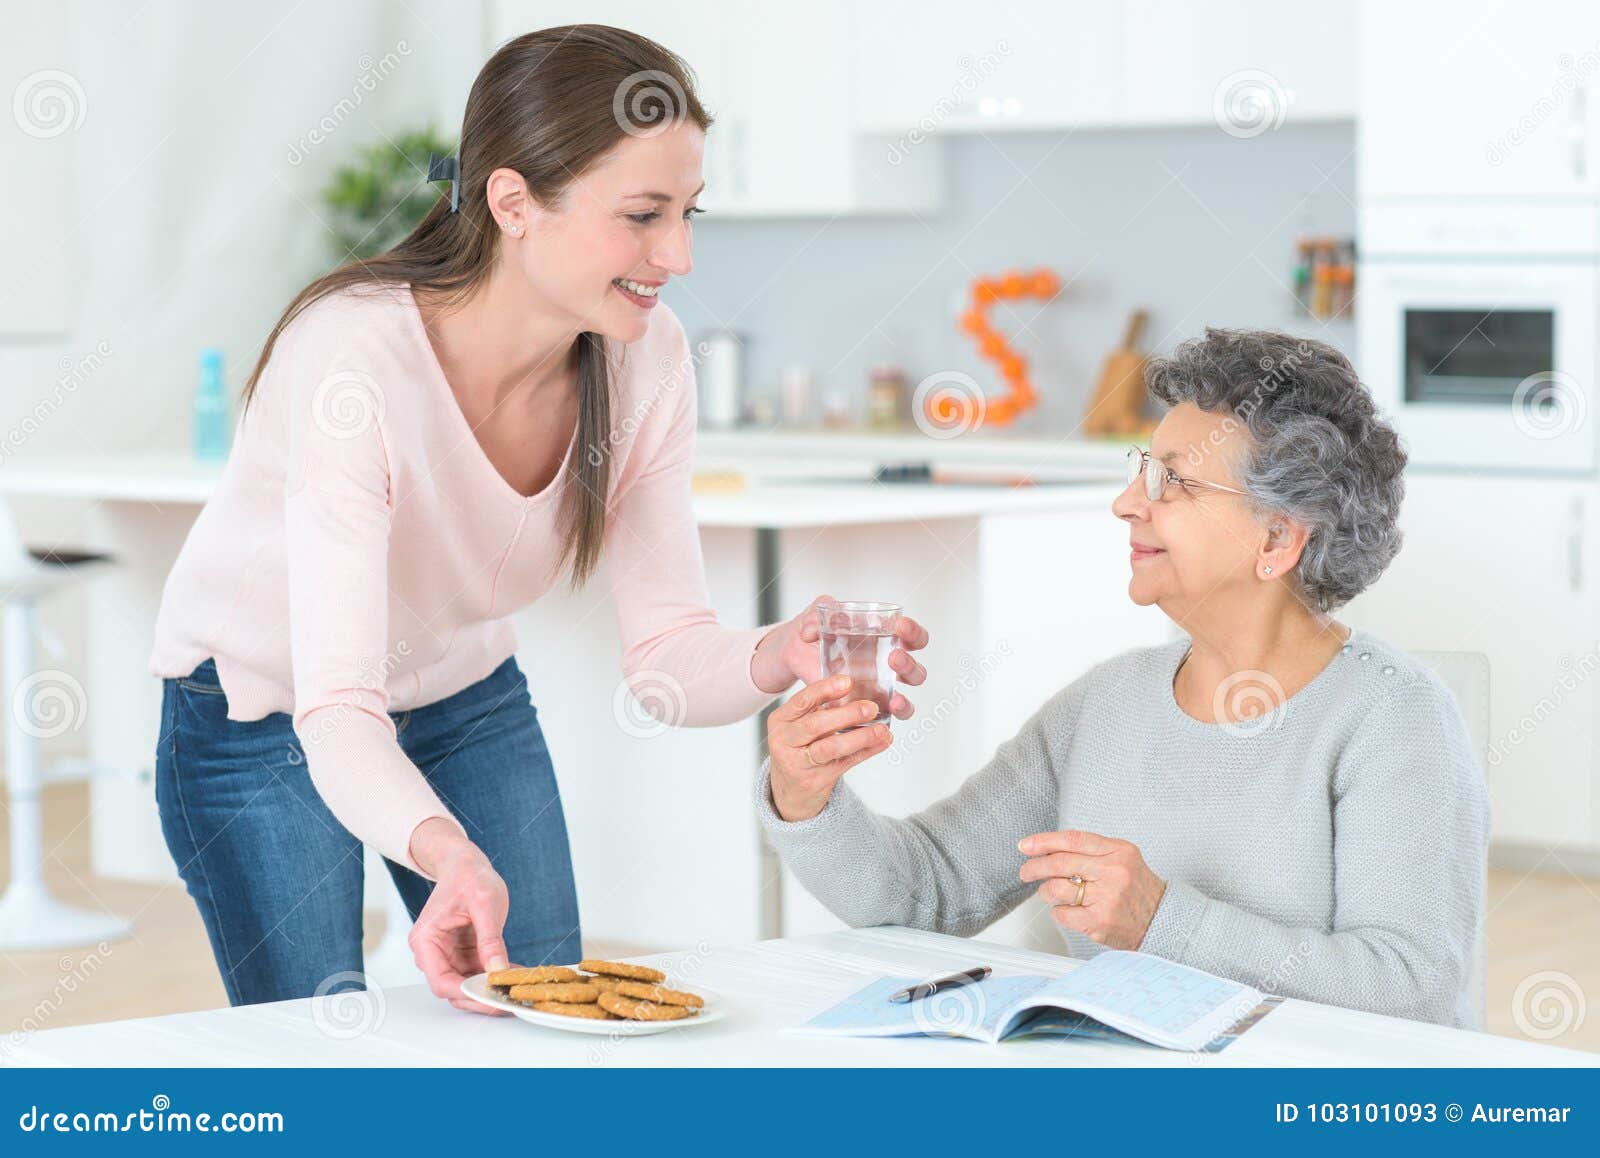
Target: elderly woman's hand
807, 758
1120, 893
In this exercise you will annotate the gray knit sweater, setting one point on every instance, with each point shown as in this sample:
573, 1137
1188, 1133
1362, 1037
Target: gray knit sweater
1332, 850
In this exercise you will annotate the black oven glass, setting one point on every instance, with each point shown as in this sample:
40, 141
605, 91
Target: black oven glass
1467, 357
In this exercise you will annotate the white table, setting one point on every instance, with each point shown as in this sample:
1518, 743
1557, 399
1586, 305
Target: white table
769, 985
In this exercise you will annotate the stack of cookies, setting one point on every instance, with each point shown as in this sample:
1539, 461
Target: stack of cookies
598, 990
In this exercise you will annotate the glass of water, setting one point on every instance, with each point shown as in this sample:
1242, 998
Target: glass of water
855, 640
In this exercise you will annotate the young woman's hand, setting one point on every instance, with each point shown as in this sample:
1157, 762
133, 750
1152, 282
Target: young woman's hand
459, 931
807, 759
789, 653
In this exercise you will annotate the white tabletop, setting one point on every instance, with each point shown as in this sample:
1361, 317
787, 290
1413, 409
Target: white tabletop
781, 501
769, 985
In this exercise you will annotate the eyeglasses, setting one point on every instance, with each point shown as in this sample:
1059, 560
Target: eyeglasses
1158, 475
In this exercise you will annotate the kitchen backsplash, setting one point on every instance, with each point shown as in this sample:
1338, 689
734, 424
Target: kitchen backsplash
1198, 227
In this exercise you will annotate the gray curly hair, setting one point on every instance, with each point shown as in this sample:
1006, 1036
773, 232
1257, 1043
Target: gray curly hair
1320, 452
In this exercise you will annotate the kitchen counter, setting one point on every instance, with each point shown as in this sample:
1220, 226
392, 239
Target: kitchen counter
1043, 453
781, 487
1022, 588
842, 502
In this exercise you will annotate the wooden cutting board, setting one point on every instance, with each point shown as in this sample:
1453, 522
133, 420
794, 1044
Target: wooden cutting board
1118, 403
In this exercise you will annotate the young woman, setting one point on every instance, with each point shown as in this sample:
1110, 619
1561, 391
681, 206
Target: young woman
432, 439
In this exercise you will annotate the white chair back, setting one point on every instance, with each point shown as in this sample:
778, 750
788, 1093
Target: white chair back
1466, 674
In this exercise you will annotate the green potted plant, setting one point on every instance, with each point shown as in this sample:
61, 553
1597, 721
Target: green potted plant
381, 197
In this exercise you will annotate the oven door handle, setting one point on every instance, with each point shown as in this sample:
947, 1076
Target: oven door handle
1578, 132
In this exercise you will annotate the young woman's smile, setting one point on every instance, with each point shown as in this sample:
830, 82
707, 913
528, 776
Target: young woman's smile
640, 293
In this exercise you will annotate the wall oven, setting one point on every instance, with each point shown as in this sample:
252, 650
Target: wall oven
1485, 358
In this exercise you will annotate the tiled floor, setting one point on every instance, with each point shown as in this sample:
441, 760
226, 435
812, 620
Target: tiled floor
1544, 953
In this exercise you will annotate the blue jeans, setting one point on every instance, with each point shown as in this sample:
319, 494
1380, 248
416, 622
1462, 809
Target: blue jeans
278, 880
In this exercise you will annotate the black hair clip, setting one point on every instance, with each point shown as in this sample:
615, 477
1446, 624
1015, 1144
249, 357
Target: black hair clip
446, 168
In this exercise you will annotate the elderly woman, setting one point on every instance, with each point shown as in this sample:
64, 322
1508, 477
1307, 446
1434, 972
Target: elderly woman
1278, 798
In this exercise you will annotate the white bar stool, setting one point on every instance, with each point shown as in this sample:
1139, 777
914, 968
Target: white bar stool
31, 917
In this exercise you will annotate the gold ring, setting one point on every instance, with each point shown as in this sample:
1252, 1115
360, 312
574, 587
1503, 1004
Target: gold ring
1082, 886
807, 750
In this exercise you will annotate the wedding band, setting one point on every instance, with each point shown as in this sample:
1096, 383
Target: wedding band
809, 760
1082, 885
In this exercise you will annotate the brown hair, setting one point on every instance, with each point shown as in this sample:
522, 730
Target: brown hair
547, 104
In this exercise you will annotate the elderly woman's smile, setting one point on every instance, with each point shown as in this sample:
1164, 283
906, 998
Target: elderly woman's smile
1142, 552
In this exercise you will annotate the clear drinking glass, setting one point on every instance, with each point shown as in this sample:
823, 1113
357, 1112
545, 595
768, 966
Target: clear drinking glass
855, 640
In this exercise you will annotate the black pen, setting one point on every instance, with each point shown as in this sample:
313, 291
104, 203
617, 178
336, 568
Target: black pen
927, 988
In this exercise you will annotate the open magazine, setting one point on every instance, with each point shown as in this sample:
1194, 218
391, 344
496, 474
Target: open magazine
1147, 997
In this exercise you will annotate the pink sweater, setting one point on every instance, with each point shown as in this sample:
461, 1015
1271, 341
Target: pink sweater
363, 556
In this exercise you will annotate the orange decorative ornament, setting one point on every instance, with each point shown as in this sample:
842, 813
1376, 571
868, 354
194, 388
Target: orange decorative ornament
951, 411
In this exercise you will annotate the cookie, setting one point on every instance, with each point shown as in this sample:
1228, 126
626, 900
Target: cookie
659, 995
608, 984
641, 1010
571, 993
623, 970
536, 975
568, 1009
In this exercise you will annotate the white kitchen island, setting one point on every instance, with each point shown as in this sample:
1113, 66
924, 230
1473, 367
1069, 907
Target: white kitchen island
1021, 588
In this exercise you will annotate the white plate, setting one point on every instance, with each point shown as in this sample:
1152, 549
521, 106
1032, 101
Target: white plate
478, 989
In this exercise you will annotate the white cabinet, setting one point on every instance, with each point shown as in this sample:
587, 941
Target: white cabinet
828, 107
1246, 65
777, 80
1477, 99
1506, 566
794, 140
929, 64
1074, 64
